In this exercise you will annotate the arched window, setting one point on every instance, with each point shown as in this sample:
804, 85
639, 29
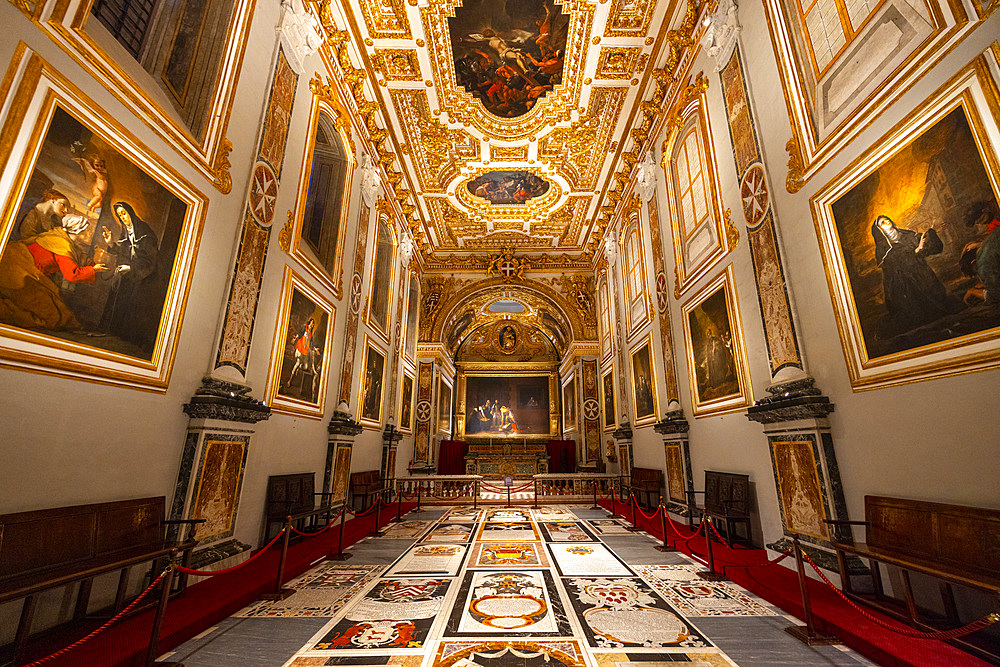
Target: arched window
691, 187
412, 311
831, 25
634, 275
699, 242
633, 265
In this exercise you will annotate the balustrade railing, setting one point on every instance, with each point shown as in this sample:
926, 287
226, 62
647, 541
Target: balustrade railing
578, 484
450, 488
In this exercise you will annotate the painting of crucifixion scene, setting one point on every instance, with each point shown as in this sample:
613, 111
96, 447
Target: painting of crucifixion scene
508, 54
92, 245
508, 187
507, 406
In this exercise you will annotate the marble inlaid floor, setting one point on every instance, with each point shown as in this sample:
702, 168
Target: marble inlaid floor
569, 595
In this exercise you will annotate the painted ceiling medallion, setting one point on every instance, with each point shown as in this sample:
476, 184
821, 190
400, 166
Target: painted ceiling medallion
508, 54
507, 187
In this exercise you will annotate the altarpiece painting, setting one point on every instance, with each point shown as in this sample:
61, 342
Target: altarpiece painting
406, 403
608, 394
511, 405
569, 405
643, 384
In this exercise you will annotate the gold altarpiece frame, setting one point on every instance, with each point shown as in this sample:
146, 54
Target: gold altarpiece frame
494, 370
292, 359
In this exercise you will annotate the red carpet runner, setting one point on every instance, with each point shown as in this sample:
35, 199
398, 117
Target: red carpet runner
204, 604
780, 586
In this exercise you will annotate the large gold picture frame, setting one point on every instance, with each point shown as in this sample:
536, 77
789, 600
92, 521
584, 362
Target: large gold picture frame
950, 141
371, 392
608, 405
37, 98
406, 402
645, 400
333, 278
67, 26
465, 404
718, 373
300, 356
569, 405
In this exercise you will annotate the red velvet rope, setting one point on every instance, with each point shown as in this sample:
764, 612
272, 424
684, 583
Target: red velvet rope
466, 489
367, 511
639, 509
557, 491
503, 489
681, 537
117, 617
212, 573
966, 629
321, 530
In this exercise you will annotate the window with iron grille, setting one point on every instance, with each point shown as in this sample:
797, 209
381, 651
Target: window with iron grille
127, 20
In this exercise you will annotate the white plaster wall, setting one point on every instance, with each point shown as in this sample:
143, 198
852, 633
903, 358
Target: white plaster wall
67, 442
932, 440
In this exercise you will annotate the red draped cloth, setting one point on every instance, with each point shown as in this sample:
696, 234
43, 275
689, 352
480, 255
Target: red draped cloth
452, 457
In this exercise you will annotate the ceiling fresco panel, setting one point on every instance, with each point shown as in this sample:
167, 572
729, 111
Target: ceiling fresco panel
509, 53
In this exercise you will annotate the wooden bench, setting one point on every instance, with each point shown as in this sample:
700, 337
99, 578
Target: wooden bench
955, 544
366, 484
645, 481
293, 495
45, 549
727, 501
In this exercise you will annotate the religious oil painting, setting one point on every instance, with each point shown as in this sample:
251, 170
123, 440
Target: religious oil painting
643, 384
911, 242
371, 385
98, 245
569, 405
381, 284
444, 408
608, 393
508, 187
219, 483
510, 54
322, 206
716, 361
799, 488
498, 405
406, 403
300, 359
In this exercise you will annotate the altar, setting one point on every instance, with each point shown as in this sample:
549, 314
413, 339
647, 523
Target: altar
497, 458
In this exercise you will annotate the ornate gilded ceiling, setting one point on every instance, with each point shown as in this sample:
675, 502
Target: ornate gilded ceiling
501, 122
